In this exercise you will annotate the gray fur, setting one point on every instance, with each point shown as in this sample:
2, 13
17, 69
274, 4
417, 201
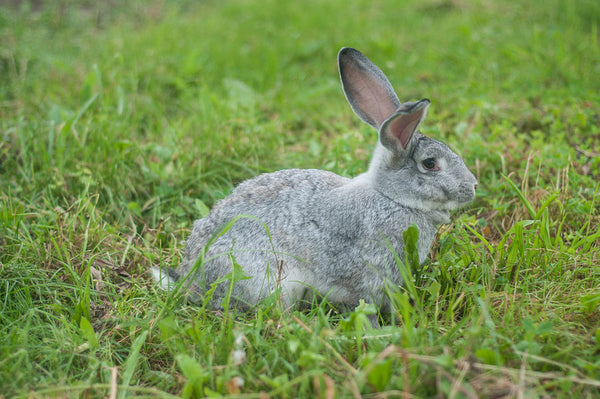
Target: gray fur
330, 233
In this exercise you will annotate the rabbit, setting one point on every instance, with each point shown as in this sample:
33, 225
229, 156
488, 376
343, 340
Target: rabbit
315, 231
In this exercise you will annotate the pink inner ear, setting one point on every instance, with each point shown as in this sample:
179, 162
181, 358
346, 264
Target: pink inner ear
403, 128
370, 97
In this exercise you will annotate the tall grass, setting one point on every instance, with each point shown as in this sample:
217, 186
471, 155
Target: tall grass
122, 122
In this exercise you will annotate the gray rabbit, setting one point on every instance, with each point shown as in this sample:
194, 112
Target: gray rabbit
314, 231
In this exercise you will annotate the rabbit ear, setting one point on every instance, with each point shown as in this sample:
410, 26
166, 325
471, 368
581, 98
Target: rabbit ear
401, 126
368, 91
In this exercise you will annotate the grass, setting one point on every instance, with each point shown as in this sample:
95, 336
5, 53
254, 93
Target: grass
120, 122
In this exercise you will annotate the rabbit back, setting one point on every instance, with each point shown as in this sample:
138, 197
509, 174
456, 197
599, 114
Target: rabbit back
323, 232
279, 205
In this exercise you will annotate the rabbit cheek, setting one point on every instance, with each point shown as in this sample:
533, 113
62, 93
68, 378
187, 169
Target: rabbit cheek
444, 201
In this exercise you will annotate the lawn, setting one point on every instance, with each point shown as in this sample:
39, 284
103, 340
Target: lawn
121, 122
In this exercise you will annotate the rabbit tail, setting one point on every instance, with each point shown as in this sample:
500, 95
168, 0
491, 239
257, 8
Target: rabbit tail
166, 278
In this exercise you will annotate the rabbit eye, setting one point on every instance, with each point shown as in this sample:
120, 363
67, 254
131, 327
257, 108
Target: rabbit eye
430, 164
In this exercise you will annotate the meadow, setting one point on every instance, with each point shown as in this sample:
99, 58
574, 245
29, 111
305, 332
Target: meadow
122, 122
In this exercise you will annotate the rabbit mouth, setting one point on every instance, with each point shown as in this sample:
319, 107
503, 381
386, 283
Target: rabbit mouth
456, 199
453, 205
447, 204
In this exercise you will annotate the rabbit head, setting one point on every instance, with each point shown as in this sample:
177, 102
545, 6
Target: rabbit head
409, 168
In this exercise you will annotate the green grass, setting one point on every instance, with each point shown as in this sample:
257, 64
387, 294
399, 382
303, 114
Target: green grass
119, 122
